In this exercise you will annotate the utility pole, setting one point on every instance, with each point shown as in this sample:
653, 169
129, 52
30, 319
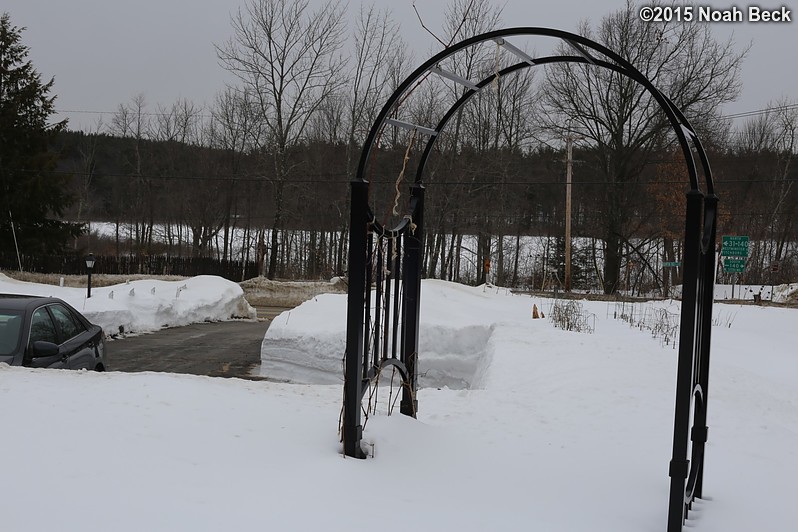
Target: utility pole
569, 164
569, 145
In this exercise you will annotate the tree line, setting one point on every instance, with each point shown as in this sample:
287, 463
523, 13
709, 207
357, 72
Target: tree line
512, 216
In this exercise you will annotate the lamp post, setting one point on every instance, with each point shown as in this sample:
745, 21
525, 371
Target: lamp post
89, 267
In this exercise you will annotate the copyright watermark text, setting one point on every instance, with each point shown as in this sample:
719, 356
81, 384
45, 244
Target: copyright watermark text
712, 14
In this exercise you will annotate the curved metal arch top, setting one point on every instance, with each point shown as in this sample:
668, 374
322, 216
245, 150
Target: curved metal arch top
686, 472
684, 131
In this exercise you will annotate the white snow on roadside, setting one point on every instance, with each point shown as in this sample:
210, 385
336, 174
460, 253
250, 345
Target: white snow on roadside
147, 305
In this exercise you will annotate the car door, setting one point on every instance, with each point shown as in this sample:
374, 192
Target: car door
77, 343
43, 329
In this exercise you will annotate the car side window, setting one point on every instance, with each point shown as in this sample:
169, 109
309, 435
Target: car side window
42, 327
69, 326
10, 326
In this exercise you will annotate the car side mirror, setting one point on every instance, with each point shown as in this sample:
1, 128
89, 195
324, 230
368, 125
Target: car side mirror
43, 349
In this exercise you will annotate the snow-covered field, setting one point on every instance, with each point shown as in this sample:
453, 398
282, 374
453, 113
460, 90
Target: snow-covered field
550, 430
746, 292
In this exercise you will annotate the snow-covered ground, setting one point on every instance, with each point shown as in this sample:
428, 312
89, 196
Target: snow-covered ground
550, 430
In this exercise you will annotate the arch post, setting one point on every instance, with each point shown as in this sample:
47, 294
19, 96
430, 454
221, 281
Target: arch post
355, 310
680, 465
412, 301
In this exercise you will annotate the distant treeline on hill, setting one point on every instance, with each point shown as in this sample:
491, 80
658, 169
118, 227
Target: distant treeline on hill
193, 199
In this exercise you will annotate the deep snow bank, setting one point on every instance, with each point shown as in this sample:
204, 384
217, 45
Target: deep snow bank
454, 339
148, 305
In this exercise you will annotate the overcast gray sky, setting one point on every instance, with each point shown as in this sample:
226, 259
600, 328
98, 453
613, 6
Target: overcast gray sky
104, 52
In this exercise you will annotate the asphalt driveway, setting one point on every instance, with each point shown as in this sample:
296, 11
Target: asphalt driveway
222, 349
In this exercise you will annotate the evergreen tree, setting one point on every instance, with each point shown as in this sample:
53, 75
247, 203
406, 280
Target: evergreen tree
33, 196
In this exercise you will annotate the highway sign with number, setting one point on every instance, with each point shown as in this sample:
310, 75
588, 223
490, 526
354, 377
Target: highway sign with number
734, 246
733, 265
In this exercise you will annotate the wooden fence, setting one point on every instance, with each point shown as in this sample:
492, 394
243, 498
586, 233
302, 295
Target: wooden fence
234, 270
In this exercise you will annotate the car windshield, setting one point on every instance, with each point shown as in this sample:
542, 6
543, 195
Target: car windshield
10, 331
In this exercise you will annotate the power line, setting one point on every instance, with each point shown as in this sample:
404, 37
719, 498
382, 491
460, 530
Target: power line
551, 219
746, 114
732, 116
318, 179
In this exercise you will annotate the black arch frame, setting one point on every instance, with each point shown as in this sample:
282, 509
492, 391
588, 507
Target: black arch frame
364, 362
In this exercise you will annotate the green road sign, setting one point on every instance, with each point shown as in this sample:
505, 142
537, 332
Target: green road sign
671, 264
734, 246
733, 265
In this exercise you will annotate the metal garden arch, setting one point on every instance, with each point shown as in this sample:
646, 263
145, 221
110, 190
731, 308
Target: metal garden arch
385, 263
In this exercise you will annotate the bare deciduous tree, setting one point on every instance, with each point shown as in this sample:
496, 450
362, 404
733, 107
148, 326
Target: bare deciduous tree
772, 139
622, 121
236, 130
378, 49
287, 56
178, 123
132, 121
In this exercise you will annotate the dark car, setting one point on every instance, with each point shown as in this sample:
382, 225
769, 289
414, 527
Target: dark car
46, 332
